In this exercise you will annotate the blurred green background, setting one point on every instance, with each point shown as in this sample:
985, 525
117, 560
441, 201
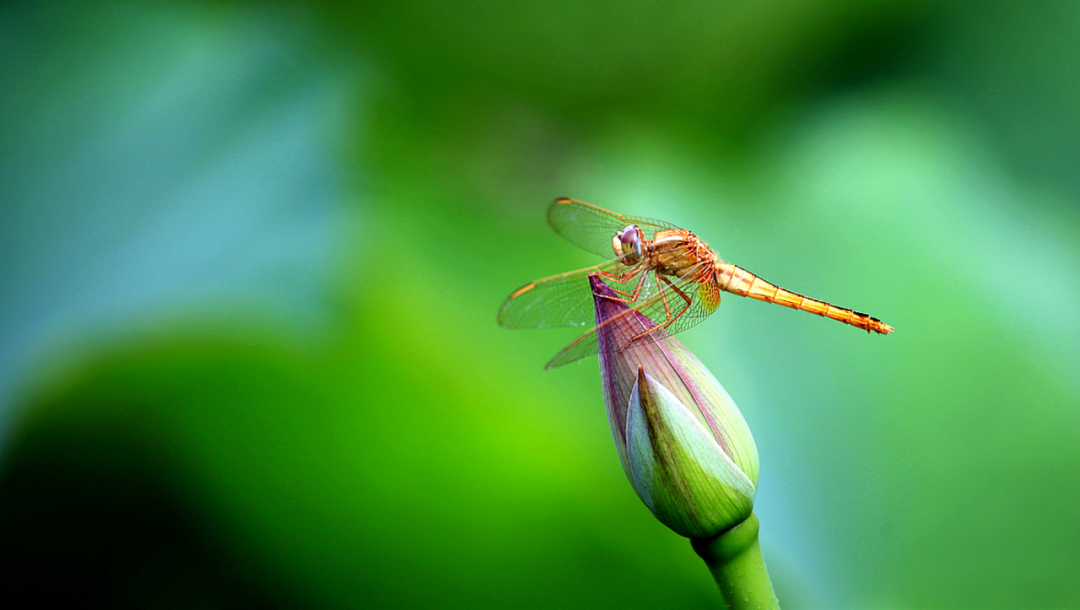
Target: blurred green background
251, 255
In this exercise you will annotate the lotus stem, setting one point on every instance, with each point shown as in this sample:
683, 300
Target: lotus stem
735, 560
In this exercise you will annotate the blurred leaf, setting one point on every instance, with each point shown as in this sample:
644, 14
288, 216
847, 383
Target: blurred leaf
183, 166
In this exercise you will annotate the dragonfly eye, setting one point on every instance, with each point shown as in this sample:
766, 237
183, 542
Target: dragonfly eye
627, 245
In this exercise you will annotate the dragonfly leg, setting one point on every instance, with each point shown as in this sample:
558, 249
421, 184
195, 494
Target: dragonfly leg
682, 294
670, 319
622, 279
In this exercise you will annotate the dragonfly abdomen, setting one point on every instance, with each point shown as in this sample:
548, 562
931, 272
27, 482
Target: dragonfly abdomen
737, 280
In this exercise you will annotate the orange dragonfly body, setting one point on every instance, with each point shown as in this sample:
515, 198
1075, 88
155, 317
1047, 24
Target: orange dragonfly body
659, 270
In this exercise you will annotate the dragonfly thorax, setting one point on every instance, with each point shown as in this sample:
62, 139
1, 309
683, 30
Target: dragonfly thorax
628, 245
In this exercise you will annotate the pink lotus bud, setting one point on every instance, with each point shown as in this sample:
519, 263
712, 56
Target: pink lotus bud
681, 440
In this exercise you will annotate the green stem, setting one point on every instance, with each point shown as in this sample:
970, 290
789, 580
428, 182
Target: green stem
734, 558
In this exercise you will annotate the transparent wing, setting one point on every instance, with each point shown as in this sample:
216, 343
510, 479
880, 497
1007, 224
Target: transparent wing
675, 306
565, 299
592, 228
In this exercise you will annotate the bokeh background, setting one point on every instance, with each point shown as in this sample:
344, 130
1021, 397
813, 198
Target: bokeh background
251, 255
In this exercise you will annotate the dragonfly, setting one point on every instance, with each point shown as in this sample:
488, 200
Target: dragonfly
660, 271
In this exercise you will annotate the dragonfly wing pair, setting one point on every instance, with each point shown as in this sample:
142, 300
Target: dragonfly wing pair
672, 307
561, 300
591, 228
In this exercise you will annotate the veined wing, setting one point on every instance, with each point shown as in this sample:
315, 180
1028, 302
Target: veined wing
590, 227
688, 300
560, 300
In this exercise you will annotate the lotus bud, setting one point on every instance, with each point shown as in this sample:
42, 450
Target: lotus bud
682, 442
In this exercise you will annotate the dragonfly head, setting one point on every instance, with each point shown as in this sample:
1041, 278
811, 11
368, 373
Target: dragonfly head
628, 244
